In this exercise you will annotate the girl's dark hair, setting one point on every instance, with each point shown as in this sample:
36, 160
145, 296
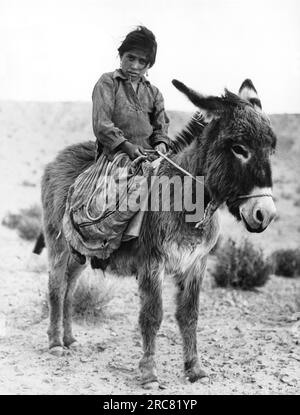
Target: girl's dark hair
143, 39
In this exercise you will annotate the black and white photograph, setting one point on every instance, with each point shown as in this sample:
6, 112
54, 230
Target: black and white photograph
150, 199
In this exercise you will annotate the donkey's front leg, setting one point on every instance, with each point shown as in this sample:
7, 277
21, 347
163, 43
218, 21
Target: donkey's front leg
151, 313
189, 285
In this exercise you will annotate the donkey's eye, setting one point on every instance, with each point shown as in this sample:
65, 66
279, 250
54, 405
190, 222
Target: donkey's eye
240, 151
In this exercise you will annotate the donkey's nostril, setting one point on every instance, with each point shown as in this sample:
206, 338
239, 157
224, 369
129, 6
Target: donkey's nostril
259, 215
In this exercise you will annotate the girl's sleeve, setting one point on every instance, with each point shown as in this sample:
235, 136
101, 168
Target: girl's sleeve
160, 122
107, 134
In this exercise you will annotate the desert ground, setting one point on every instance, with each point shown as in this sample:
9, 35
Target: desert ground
249, 341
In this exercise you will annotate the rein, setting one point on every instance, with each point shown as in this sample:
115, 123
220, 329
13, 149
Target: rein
178, 167
211, 206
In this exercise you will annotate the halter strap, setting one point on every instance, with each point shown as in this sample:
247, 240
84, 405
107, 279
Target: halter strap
258, 195
212, 205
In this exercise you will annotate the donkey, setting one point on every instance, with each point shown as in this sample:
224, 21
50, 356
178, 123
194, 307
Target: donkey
232, 151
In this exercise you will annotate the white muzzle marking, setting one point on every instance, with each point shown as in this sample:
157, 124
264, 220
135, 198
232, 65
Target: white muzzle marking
258, 211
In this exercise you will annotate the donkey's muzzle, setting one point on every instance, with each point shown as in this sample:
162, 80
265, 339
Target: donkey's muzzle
257, 212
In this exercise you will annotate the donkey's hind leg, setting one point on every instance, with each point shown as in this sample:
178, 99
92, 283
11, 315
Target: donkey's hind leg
151, 313
73, 272
187, 317
58, 260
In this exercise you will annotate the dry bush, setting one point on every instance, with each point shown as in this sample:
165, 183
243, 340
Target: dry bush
11, 220
27, 183
286, 262
241, 266
27, 222
92, 295
297, 202
286, 195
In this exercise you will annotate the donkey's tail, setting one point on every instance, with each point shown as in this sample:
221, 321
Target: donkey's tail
39, 244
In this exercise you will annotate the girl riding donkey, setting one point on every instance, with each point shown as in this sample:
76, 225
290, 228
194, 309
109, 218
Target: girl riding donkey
128, 111
233, 154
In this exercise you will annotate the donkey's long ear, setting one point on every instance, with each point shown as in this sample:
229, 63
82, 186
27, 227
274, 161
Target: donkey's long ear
248, 92
211, 107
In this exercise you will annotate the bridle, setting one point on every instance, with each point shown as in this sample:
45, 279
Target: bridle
212, 206
251, 196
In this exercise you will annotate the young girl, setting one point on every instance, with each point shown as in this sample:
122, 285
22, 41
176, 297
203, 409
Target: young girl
128, 111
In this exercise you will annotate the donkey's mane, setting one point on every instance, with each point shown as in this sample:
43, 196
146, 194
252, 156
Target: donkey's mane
192, 130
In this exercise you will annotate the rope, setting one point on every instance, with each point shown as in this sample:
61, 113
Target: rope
108, 167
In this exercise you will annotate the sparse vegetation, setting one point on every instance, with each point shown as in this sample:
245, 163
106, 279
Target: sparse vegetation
286, 195
27, 183
297, 202
27, 222
241, 266
286, 262
91, 297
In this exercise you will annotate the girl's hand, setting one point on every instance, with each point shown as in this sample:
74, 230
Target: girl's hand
133, 150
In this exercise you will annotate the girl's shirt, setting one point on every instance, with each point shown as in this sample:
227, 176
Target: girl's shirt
120, 113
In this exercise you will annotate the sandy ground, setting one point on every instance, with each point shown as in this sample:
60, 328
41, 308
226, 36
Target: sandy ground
248, 341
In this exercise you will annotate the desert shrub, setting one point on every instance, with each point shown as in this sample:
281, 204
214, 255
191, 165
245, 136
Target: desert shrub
92, 295
90, 299
29, 228
27, 222
297, 202
286, 262
286, 195
27, 183
241, 266
11, 220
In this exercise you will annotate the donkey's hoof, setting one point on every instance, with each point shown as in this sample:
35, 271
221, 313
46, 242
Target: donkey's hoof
148, 373
70, 342
57, 351
73, 347
197, 374
154, 385
149, 380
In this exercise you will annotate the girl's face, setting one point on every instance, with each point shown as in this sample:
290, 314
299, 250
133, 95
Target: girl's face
134, 64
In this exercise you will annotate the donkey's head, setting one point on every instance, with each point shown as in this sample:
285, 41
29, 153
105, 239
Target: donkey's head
235, 154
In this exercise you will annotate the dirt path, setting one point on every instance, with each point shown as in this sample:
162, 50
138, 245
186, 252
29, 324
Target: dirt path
249, 342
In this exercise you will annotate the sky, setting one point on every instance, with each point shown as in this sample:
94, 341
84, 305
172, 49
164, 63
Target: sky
56, 50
